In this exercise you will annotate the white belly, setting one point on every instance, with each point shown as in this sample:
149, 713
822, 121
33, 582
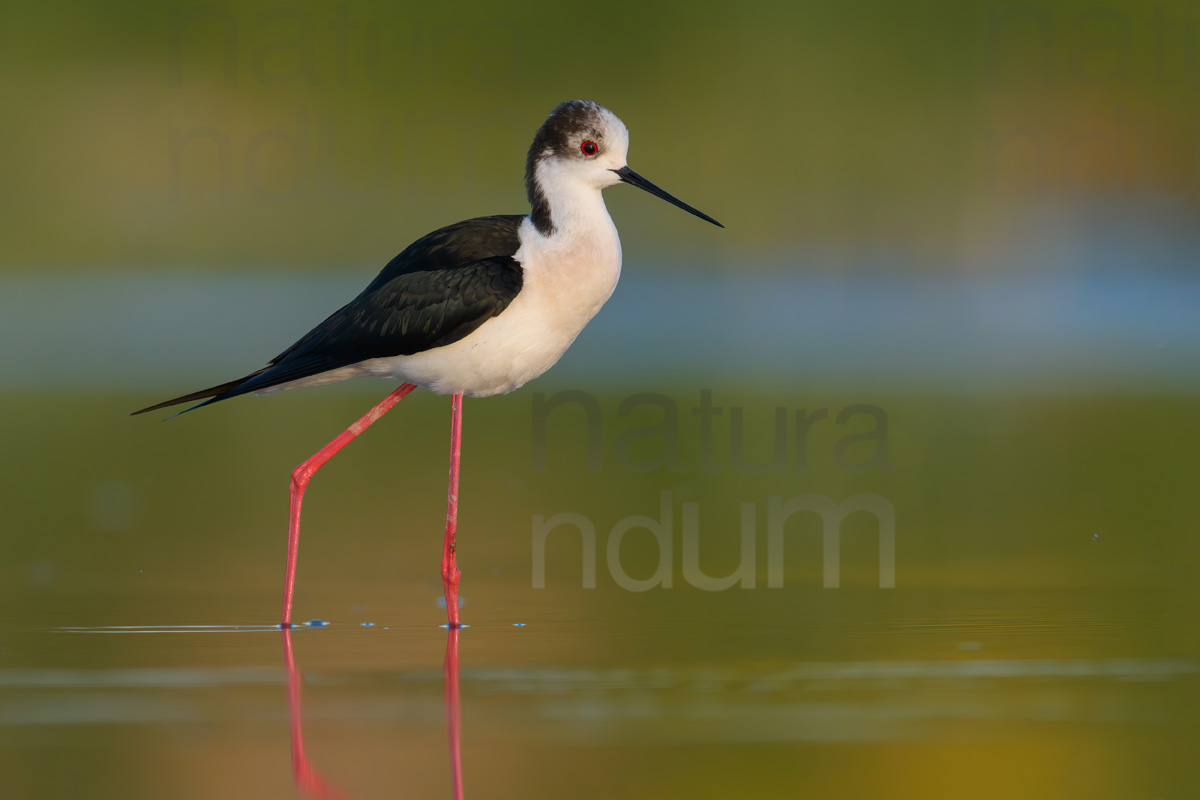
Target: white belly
565, 282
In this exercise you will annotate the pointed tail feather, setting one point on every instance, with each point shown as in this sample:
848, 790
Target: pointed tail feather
214, 393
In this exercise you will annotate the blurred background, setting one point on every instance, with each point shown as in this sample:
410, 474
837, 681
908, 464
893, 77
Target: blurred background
961, 242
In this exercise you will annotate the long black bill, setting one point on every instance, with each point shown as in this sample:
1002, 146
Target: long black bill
633, 179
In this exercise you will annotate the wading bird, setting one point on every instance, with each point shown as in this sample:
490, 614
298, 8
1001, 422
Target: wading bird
477, 308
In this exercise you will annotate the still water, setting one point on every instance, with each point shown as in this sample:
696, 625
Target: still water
1039, 642
994, 695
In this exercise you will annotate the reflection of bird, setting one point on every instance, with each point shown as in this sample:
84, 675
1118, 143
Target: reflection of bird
310, 781
479, 307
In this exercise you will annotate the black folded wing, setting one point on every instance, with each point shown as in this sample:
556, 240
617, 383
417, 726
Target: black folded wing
440, 289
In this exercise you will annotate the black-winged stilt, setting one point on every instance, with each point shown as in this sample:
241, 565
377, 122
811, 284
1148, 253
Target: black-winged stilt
478, 308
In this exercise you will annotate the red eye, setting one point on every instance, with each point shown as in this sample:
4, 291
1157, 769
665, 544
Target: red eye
589, 148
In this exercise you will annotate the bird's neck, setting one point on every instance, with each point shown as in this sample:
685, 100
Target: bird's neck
563, 207
579, 245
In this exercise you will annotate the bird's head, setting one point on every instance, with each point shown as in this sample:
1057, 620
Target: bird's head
583, 144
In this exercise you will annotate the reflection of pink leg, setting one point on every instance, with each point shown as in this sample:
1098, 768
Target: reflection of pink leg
450, 571
453, 712
302, 474
307, 778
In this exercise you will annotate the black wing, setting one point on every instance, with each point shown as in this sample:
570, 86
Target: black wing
440, 289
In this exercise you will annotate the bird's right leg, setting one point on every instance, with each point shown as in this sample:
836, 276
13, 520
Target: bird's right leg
301, 476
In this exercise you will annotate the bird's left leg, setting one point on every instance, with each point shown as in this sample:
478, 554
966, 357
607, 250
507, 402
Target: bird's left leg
450, 571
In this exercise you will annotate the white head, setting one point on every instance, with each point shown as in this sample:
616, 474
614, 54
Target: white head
581, 145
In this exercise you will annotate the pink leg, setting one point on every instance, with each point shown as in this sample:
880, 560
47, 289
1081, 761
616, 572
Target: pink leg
450, 571
301, 476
